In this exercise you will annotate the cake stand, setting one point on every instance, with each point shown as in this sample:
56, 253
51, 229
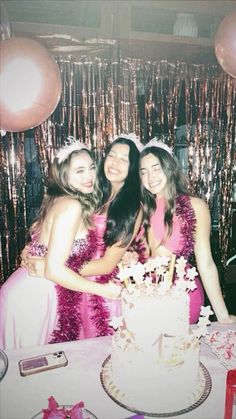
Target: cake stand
113, 392
3, 364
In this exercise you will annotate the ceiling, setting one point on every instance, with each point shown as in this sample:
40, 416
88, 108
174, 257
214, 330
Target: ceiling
140, 29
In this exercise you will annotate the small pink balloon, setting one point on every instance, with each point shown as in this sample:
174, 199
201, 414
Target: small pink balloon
225, 44
30, 84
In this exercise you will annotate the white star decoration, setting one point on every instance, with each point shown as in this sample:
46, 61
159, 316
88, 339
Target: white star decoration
146, 279
180, 266
206, 311
191, 273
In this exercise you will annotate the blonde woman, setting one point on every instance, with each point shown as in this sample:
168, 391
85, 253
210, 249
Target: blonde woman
64, 235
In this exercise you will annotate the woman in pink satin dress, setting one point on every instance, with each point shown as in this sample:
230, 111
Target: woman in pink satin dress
177, 223
31, 307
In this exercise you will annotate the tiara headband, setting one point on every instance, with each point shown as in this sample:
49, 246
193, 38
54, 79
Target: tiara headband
71, 145
132, 137
156, 143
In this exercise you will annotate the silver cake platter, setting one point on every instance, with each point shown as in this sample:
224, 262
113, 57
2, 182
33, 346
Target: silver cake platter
112, 392
3, 364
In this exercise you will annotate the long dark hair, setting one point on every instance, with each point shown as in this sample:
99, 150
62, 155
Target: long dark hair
58, 185
177, 184
124, 208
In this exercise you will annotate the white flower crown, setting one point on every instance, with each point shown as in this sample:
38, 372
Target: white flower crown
154, 142
71, 145
75, 145
132, 137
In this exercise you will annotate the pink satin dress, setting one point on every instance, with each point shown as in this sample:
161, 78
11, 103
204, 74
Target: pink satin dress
181, 242
36, 311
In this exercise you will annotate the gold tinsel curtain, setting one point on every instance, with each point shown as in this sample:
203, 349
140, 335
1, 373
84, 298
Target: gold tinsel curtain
101, 99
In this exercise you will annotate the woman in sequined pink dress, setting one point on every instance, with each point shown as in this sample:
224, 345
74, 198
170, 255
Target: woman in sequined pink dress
177, 223
63, 234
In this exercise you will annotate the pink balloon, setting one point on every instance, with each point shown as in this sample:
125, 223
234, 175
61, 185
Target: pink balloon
225, 44
30, 84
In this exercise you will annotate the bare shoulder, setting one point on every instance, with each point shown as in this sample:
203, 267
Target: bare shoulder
202, 213
68, 205
199, 205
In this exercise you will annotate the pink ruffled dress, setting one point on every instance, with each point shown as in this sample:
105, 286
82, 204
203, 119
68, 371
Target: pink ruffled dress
181, 242
36, 311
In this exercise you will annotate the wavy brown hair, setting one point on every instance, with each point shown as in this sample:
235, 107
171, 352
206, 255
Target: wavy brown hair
58, 185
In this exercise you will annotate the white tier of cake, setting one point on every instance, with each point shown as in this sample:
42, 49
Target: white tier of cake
154, 359
147, 316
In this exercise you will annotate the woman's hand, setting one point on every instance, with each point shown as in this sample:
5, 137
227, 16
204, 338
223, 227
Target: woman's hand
112, 290
36, 266
24, 256
130, 258
230, 319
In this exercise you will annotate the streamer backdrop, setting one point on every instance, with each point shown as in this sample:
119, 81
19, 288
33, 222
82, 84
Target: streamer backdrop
101, 99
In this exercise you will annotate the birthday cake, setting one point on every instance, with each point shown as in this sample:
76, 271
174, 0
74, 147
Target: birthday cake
154, 364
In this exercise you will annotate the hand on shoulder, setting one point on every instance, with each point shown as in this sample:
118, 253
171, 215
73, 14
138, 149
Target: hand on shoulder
230, 319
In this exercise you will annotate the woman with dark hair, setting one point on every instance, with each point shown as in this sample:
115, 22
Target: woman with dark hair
117, 222
120, 204
63, 235
177, 223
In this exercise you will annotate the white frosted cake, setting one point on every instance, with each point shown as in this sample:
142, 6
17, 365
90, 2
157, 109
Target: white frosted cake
154, 364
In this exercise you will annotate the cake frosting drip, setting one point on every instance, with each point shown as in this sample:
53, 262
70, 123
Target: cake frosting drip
153, 349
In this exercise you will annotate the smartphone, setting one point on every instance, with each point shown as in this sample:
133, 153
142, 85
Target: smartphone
41, 363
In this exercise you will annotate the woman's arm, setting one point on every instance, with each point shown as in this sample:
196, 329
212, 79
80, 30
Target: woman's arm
205, 263
113, 255
102, 266
68, 217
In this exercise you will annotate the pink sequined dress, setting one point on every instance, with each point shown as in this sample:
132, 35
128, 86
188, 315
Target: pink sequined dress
36, 311
181, 242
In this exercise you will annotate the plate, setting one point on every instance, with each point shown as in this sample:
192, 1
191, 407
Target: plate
87, 414
112, 392
223, 345
3, 364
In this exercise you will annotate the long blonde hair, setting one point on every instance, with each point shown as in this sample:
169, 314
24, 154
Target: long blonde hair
58, 185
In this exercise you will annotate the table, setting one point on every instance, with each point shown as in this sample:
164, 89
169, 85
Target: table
22, 397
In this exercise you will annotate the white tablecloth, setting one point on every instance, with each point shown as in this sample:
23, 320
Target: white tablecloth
22, 397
